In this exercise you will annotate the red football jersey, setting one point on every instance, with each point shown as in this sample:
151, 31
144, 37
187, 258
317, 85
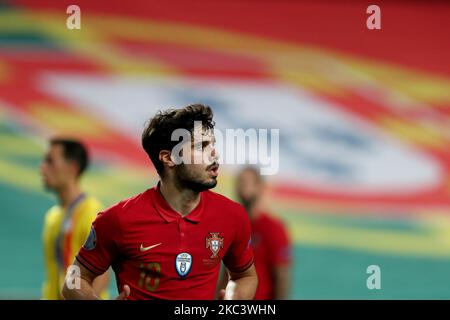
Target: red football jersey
271, 245
162, 255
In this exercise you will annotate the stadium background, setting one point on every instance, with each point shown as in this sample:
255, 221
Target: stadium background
364, 117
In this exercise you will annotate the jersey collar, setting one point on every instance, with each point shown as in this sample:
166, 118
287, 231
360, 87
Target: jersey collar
169, 214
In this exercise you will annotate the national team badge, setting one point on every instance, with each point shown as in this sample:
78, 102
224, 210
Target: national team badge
183, 264
214, 243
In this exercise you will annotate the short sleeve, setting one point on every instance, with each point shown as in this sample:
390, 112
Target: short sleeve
280, 248
239, 257
86, 219
100, 248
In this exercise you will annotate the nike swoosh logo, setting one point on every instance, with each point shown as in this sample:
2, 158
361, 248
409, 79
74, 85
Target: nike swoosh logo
143, 249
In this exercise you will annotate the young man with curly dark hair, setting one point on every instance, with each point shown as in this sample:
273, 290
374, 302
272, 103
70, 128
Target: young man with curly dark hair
168, 242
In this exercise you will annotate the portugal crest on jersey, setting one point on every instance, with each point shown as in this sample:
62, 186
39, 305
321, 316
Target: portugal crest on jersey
214, 243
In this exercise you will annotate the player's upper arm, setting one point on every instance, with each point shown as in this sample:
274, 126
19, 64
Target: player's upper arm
101, 247
240, 254
250, 271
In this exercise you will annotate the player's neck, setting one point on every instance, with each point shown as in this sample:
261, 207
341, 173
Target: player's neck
255, 209
68, 194
183, 201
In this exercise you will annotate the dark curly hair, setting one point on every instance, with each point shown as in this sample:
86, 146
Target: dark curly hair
158, 131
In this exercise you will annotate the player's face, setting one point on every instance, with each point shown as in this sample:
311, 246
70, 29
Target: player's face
56, 170
202, 171
248, 187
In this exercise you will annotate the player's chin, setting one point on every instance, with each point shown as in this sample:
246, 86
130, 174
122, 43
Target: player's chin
210, 183
213, 181
47, 185
202, 186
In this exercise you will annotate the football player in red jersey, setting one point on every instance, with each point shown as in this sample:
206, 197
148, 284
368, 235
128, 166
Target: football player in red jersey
270, 240
168, 242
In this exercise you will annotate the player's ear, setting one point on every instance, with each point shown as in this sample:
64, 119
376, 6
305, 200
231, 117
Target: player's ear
74, 168
165, 156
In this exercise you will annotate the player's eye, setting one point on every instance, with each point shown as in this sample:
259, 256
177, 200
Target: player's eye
205, 144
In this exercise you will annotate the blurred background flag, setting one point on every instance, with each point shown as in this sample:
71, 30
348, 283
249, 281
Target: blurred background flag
364, 119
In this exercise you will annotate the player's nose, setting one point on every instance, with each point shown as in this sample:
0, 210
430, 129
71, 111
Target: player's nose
215, 154
42, 168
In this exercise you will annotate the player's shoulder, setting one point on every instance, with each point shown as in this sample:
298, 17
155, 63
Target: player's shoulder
89, 205
86, 212
272, 222
91, 202
223, 202
116, 217
220, 199
52, 214
126, 205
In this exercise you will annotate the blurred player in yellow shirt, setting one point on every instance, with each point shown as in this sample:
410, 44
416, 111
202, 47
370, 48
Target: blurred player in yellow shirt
67, 224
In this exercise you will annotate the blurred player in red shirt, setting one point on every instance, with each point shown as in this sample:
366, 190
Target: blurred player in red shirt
270, 240
168, 242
